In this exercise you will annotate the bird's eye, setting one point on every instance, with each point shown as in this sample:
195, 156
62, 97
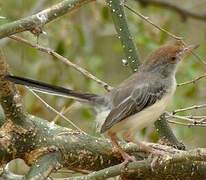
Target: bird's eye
173, 58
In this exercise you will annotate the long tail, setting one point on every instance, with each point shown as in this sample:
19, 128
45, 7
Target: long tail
57, 90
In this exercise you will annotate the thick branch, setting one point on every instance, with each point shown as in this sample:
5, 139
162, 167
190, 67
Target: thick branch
43, 167
32, 23
9, 99
187, 164
2, 117
142, 170
77, 149
184, 13
7, 174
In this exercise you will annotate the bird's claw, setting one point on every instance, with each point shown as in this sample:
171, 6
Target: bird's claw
127, 159
158, 158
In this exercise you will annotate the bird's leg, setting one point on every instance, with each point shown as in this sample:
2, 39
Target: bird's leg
155, 154
127, 158
127, 137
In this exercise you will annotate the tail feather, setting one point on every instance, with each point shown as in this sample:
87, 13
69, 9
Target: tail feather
56, 90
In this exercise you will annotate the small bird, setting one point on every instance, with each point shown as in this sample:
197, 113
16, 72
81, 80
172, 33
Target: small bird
136, 103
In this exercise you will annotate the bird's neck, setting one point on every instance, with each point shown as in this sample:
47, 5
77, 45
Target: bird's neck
163, 71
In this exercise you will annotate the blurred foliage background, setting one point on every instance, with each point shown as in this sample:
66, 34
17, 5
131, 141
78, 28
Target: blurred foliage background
87, 37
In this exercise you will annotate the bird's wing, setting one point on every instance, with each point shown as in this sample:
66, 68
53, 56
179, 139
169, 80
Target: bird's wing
140, 98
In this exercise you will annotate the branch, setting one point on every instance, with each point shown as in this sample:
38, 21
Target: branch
121, 26
189, 108
2, 116
152, 23
37, 21
44, 166
194, 124
166, 134
186, 163
64, 60
9, 99
193, 81
115, 171
184, 13
191, 120
7, 174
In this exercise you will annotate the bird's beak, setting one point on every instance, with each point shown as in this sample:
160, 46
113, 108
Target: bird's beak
189, 49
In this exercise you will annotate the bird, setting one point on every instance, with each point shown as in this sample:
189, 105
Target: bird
135, 103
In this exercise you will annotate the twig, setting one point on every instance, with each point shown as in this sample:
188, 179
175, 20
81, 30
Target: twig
166, 4
32, 23
57, 116
54, 110
186, 124
62, 59
65, 110
153, 24
193, 80
195, 117
192, 122
168, 115
189, 108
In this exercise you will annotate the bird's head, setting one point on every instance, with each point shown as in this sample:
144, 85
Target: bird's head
164, 60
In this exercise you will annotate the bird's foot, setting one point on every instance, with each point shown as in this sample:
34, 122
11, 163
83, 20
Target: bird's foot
151, 150
127, 159
158, 156
158, 160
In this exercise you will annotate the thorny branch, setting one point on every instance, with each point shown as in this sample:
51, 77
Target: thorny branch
121, 25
